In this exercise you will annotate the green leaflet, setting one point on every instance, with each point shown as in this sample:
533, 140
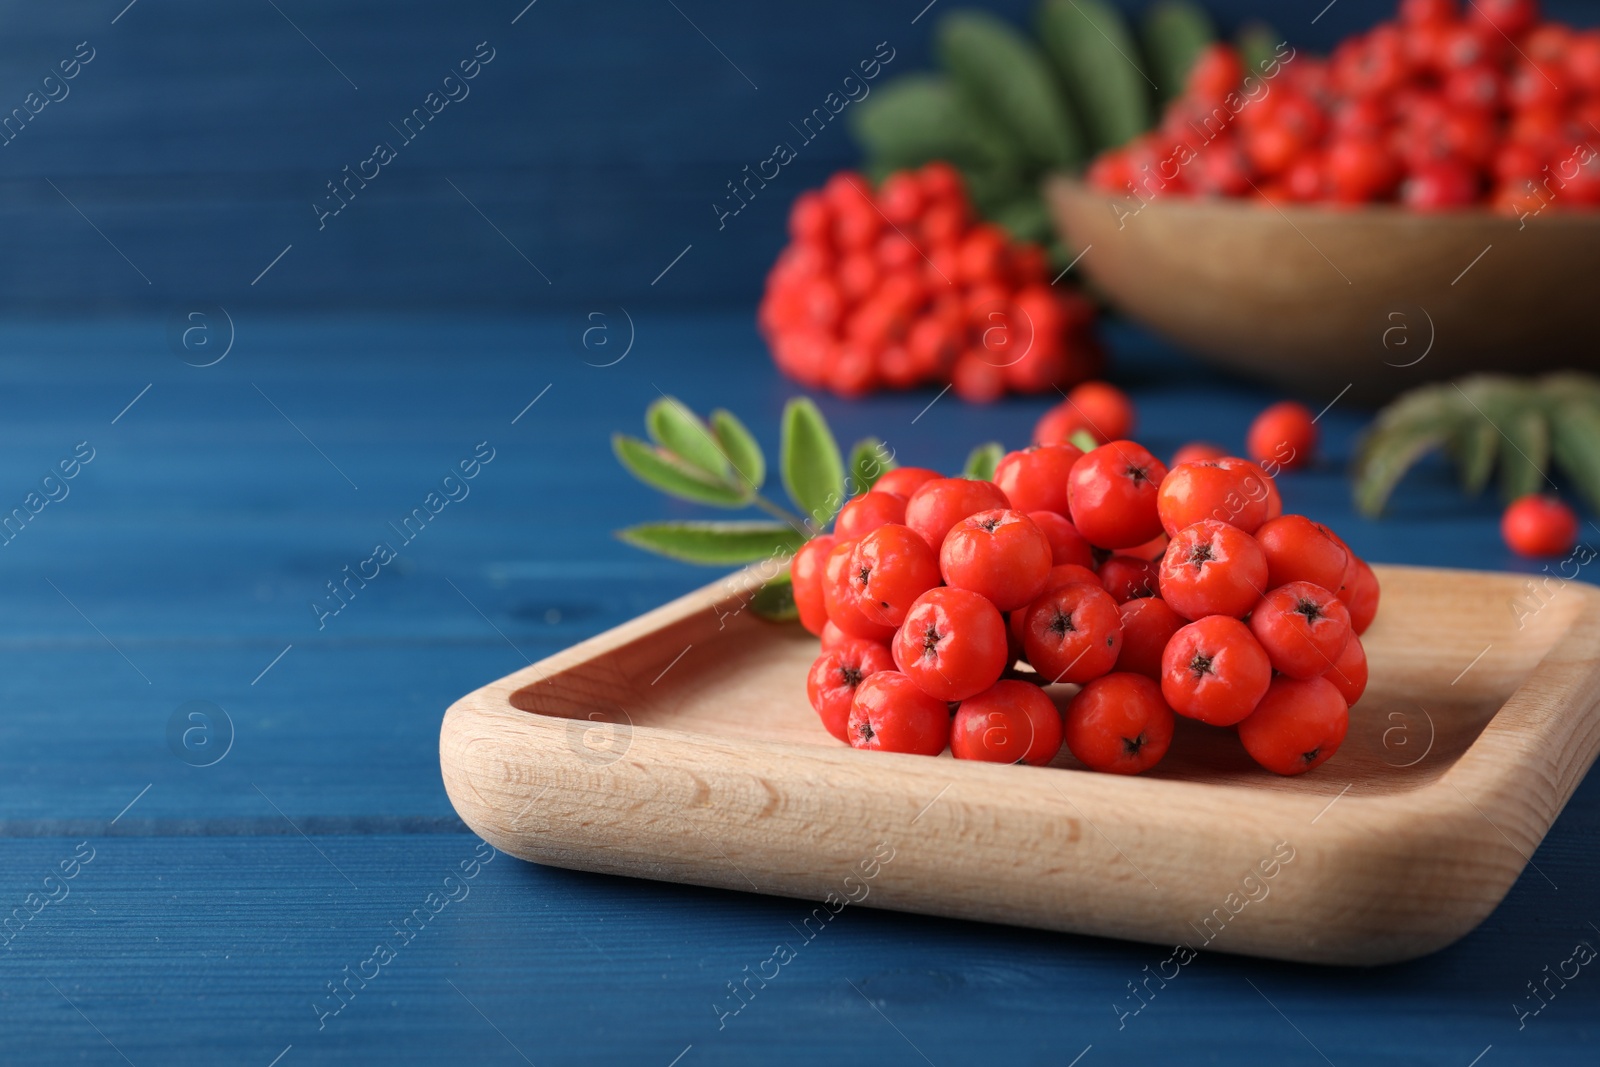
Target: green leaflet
1575, 442
1097, 60
663, 472
1005, 76
1025, 218
982, 461
1257, 43
740, 446
1389, 452
1175, 32
870, 459
1474, 445
813, 473
717, 543
1524, 453
1083, 441
679, 431
774, 601
920, 117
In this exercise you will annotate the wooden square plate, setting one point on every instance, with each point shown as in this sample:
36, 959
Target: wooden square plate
681, 747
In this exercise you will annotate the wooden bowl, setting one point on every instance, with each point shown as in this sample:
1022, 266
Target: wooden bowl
1316, 298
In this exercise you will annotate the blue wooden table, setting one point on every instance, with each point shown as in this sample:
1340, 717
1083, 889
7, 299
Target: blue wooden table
194, 889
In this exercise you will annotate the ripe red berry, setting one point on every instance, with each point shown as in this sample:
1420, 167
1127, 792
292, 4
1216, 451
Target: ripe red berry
1349, 672
1148, 624
1119, 724
1067, 545
1035, 478
888, 570
807, 572
938, 504
1072, 634
952, 644
999, 554
892, 714
1538, 525
1010, 722
1197, 452
836, 674
1298, 725
1129, 577
865, 513
1303, 627
1212, 568
1111, 495
840, 597
1359, 591
1193, 492
904, 480
1284, 434
1105, 409
1215, 670
1299, 550
833, 637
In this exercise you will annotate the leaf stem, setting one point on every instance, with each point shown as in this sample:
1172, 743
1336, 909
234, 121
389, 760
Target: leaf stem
782, 514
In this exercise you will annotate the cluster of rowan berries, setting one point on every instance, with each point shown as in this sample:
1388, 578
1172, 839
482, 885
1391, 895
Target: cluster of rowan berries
946, 606
1447, 106
902, 286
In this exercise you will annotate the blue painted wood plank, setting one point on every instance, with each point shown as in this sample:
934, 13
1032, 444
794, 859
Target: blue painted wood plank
221, 950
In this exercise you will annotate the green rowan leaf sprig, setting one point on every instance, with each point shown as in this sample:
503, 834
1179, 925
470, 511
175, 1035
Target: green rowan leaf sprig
717, 461
1524, 429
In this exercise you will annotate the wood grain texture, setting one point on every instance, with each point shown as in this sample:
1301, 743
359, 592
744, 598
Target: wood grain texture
1316, 298
680, 747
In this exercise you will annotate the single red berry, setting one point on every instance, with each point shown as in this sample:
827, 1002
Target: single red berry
1258, 484
1106, 410
807, 572
999, 554
1073, 634
1298, 725
1299, 550
1193, 492
952, 644
904, 480
1216, 72
1119, 724
892, 714
1212, 568
890, 567
1111, 495
1215, 670
833, 637
1148, 624
1538, 525
1130, 578
865, 513
1067, 545
1509, 17
939, 503
1284, 434
1197, 452
1035, 478
1010, 722
1359, 591
1303, 627
1061, 576
1349, 672
836, 674
840, 597
1441, 185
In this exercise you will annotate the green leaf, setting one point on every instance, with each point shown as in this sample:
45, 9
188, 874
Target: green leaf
916, 118
1083, 440
774, 601
1095, 58
1386, 456
1258, 46
655, 468
1007, 78
1175, 32
1575, 441
1524, 454
870, 459
679, 431
813, 473
981, 461
715, 542
741, 448
1475, 445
